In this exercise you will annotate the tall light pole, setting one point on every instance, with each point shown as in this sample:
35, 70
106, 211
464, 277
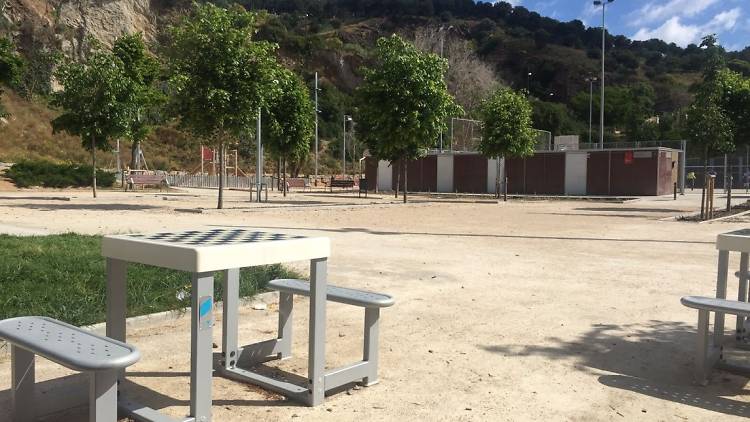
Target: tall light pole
603, 4
316, 124
347, 118
591, 81
528, 83
442, 32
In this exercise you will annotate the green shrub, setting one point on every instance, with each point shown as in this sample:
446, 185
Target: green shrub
50, 175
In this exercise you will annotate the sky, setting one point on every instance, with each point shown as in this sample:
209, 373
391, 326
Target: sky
679, 21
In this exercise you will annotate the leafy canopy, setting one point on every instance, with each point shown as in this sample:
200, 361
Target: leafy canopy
506, 125
219, 76
404, 102
288, 121
98, 100
11, 66
143, 70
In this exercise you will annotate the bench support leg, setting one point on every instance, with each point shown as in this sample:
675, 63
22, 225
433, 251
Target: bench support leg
116, 301
742, 294
316, 364
702, 360
231, 293
22, 384
201, 335
286, 306
372, 322
721, 293
103, 396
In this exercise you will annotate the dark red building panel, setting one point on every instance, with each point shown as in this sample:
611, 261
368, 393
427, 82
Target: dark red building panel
597, 173
470, 173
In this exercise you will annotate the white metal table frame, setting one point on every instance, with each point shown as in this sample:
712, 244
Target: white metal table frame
202, 253
736, 241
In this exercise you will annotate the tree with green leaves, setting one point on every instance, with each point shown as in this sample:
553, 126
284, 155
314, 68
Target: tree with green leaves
506, 128
98, 102
219, 76
144, 70
404, 103
708, 124
288, 120
11, 66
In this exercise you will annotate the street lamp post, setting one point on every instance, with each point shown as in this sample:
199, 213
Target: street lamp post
528, 83
347, 118
603, 4
591, 102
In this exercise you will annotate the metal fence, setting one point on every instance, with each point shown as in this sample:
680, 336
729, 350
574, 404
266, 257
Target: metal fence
734, 167
212, 181
633, 145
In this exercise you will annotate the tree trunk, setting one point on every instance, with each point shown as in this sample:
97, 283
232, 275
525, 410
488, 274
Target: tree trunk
278, 174
93, 165
705, 180
222, 172
284, 173
135, 151
505, 179
406, 180
497, 179
398, 179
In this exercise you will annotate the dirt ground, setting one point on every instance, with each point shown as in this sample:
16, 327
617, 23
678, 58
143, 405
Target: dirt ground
526, 310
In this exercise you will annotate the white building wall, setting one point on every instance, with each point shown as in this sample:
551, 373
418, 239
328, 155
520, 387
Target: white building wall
576, 164
385, 176
492, 170
445, 173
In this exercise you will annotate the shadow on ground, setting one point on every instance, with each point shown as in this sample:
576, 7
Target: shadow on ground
618, 209
85, 207
484, 235
653, 359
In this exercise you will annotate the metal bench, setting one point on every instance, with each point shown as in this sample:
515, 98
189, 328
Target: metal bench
365, 370
709, 353
71, 347
341, 183
147, 179
297, 183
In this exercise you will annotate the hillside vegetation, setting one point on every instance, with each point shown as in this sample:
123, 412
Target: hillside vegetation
336, 37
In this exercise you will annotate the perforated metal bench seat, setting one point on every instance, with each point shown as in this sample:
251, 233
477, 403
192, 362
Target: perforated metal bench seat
69, 346
345, 295
713, 304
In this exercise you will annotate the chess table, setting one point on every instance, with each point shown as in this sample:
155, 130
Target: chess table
202, 253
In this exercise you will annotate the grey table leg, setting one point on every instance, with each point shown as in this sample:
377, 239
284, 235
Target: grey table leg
117, 295
22, 384
721, 293
201, 341
317, 347
231, 293
742, 293
372, 321
103, 396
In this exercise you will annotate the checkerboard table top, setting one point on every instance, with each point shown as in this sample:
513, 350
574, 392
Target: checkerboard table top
737, 241
213, 249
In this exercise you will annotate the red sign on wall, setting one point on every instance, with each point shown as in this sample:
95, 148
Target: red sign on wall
207, 153
628, 157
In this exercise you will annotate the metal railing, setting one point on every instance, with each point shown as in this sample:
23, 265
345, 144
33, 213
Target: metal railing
212, 181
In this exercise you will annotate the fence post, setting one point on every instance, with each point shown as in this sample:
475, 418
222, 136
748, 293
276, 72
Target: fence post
729, 194
675, 191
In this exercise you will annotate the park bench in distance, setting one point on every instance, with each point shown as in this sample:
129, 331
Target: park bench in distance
141, 179
708, 353
297, 183
101, 357
341, 183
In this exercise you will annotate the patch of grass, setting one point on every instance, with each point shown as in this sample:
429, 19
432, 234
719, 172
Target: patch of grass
63, 277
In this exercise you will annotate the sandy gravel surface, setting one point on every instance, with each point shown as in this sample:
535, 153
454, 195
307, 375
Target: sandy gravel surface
527, 310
